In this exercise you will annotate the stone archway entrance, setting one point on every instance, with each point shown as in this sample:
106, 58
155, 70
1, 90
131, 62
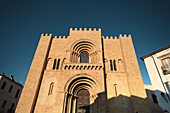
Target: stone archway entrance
83, 101
78, 97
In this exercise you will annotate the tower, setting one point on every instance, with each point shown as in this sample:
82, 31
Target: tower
84, 72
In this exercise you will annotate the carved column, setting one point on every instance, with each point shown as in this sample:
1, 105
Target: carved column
69, 103
74, 104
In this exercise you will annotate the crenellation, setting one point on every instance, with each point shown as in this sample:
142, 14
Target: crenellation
129, 36
124, 36
115, 37
61, 37
111, 37
120, 36
85, 29
42, 35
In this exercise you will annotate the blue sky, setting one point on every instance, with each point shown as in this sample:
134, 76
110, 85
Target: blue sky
22, 22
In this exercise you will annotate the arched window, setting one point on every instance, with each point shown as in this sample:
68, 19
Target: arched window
4, 104
10, 89
51, 88
3, 86
17, 93
84, 57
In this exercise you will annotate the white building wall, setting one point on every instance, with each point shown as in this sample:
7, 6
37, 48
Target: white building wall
160, 82
8, 96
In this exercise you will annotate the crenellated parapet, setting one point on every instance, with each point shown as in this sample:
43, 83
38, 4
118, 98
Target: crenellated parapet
61, 37
57, 37
45, 35
115, 37
85, 29
109, 37
124, 36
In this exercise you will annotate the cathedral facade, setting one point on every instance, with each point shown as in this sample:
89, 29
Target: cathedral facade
84, 72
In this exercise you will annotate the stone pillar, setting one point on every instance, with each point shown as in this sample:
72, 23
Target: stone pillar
69, 103
74, 104
65, 102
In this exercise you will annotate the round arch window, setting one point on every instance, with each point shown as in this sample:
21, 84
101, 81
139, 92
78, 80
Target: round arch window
84, 57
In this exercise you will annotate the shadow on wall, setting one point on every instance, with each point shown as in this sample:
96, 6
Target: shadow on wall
119, 104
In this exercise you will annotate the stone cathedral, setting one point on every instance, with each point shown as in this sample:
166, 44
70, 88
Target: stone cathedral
84, 72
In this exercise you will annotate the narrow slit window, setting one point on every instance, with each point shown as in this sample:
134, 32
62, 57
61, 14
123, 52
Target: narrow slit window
54, 65
4, 104
114, 63
58, 64
51, 88
111, 65
10, 89
17, 93
3, 86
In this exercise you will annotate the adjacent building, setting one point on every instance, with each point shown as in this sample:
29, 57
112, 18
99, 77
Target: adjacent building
84, 72
10, 91
153, 102
158, 67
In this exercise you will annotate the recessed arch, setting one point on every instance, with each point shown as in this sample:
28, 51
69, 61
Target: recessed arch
76, 84
78, 76
83, 45
82, 40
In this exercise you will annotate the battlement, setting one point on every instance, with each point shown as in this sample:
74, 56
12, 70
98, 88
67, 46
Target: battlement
115, 37
61, 37
46, 34
85, 29
109, 37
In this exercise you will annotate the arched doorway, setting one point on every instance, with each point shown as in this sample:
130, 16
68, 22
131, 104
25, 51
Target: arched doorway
83, 101
79, 95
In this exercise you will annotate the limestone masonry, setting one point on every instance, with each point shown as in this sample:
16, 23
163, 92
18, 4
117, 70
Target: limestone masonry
84, 72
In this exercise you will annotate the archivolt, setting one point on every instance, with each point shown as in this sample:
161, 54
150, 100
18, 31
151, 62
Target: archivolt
82, 82
80, 46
